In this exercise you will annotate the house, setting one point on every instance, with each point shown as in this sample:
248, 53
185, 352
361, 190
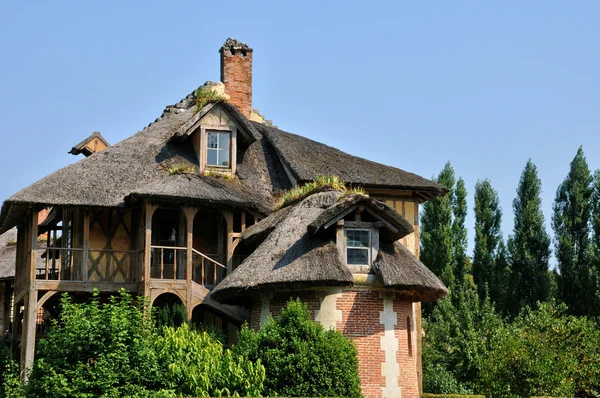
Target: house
183, 212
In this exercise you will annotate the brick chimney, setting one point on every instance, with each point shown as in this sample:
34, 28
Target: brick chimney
236, 74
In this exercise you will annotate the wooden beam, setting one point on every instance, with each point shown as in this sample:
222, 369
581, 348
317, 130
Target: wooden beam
86, 245
230, 244
76, 286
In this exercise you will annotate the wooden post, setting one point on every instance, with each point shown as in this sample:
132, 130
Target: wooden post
28, 334
229, 256
190, 213
86, 245
147, 250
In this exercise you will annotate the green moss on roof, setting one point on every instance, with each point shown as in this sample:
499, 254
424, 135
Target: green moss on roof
321, 183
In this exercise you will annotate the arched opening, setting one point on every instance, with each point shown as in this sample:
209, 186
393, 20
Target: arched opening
168, 246
169, 310
209, 244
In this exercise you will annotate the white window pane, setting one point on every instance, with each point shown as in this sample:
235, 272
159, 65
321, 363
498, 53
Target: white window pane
224, 140
357, 238
224, 156
211, 157
213, 139
358, 256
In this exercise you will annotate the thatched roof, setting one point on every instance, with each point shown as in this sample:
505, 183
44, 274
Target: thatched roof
307, 159
296, 254
290, 256
138, 167
399, 269
345, 204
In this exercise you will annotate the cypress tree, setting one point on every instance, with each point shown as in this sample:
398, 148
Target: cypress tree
571, 223
529, 245
595, 266
488, 236
436, 229
459, 232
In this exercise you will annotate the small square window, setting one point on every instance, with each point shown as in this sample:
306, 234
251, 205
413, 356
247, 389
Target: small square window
358, 246
218, 149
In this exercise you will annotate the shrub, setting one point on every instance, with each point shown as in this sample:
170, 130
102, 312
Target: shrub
115, 350
300, 357
194, 364
11, 385
171, 315
204, 95
96, 349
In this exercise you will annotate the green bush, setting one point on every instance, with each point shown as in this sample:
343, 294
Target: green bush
96, 349
194, 364
451, 396
300, 357
544, 352
11, 385
116, 350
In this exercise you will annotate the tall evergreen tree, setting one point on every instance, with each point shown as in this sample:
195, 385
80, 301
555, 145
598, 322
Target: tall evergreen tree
488, 236
595, 266
571, 223
436, 229
529, 245
459, 232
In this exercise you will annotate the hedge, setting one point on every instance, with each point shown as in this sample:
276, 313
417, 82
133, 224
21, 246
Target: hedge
425, 395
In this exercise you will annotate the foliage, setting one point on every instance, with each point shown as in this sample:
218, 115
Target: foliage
216, 173
301, 358
459, 232
181, 168
487, 267
11, 385
571, 223
320, 183
96, 349
171, 315
425, 395
457, 338
437, 248
528, 246
194, 364
204, 95
544, 352
114, 349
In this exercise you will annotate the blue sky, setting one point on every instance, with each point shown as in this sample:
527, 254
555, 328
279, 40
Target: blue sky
484, 85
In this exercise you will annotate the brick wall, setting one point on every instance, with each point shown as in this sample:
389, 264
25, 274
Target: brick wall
361, 321
236, 75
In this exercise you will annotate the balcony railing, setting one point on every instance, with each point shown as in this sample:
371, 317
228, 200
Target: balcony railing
168, 262
207, 271
102, 265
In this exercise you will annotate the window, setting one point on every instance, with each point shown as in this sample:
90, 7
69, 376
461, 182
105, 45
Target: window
358, 246
218, 149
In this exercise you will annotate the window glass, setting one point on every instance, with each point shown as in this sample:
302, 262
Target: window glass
218, 148
357, 246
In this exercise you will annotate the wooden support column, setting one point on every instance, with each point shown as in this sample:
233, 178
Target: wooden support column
28, 334
86, 245
190, 214
230, 245
29, 316
149, 212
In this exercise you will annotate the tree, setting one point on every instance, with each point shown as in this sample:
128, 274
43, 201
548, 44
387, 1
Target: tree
571, 223
459, 232
488, 236
529, 245
595, 268
443, 233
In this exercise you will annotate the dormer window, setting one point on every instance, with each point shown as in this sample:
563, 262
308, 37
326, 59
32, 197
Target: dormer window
358, 246
218, 149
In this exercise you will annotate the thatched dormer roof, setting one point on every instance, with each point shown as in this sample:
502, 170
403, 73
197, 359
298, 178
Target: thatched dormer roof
296, 255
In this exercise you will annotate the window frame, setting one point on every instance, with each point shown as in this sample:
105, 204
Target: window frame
203, 158
217, 149
368, 248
